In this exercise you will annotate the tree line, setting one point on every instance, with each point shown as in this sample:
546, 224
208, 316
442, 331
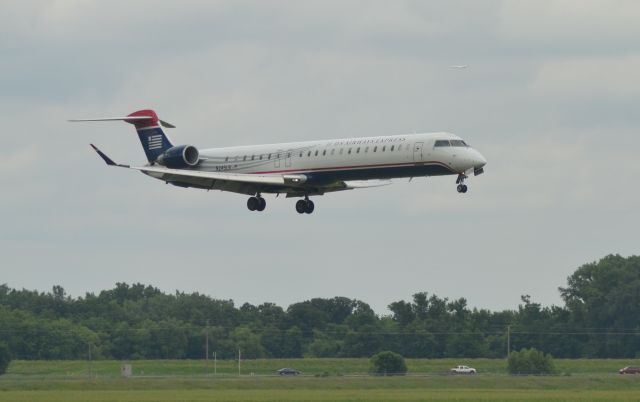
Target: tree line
600, 318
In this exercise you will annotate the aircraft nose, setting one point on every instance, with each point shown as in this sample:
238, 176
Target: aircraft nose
478, 160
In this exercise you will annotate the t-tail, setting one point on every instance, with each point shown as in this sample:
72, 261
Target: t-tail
153, 139
149, 128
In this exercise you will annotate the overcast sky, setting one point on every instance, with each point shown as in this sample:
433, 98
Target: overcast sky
551, 97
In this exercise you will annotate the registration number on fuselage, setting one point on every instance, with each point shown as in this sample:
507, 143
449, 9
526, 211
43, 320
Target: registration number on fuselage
222, 168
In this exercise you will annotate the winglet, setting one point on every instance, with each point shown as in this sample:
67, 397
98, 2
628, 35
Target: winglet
105, 158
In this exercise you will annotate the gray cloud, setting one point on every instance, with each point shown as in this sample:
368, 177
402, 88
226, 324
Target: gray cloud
550, 98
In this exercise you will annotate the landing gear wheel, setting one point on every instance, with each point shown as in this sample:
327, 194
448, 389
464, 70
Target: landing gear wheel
462, 188
301, 206
262, 204
309, 207
253, 203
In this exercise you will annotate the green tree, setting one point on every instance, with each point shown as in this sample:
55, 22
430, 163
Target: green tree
324, 345
388, 363
530, 361
606, 294
293, 342
5, 358
248, 343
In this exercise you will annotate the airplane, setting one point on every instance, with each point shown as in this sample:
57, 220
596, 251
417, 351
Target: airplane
298, 169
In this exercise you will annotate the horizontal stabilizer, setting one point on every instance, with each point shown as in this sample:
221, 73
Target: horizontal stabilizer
113, 118
126, 118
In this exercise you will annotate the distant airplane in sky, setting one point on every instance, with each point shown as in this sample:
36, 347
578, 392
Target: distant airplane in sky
460, 66
299, 169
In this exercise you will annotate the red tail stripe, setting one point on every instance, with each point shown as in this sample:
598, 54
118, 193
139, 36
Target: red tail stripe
153, 121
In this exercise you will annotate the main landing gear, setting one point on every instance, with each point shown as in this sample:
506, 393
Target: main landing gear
462, 188
305, 206
256, 203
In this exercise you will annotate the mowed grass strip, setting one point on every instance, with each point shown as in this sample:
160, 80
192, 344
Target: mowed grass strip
489, 382
319, 395
309, 366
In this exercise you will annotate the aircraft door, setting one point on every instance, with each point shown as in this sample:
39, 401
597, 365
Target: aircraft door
287, 161
417, 151
277, 159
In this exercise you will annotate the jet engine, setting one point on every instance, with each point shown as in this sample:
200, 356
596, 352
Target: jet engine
182, 156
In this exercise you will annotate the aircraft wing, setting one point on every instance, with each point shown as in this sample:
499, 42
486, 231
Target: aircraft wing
245, 183
352, 184
188, 175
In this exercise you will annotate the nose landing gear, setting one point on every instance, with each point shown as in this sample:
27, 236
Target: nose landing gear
256, 203
462, 188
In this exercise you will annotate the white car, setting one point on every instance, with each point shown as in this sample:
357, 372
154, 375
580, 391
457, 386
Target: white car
463, 370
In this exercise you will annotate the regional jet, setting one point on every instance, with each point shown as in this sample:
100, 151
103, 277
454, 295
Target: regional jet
299, 169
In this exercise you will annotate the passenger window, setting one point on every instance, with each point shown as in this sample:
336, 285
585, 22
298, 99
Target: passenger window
375, 149
349, 151
226, 159
301, 154
324, 152
384, 148
269, 157
316, 153
245, 158
289, 155
260, 156
393, 146
341, 149
366, 150
358, 150
308, 154
441, 143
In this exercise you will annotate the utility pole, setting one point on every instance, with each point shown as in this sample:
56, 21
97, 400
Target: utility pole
215, 364
508, 340
206, 349
239, 357
90, 362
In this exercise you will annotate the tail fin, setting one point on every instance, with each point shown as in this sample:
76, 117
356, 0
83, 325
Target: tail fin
153, 139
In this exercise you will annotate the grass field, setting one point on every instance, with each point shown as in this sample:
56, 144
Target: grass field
310, 366
585, 380
436, 388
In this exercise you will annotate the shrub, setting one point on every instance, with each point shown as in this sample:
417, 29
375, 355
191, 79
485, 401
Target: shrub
388, 363
5, 358
530, 361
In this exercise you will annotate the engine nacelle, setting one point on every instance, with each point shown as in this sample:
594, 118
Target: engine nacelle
182, 156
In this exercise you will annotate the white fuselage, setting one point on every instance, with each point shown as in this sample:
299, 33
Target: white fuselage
298, 169
362, 158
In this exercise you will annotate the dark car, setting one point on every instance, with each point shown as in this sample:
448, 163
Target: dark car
630, 370
288, 371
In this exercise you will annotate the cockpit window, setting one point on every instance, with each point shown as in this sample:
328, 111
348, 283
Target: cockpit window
441, 143
458, 143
